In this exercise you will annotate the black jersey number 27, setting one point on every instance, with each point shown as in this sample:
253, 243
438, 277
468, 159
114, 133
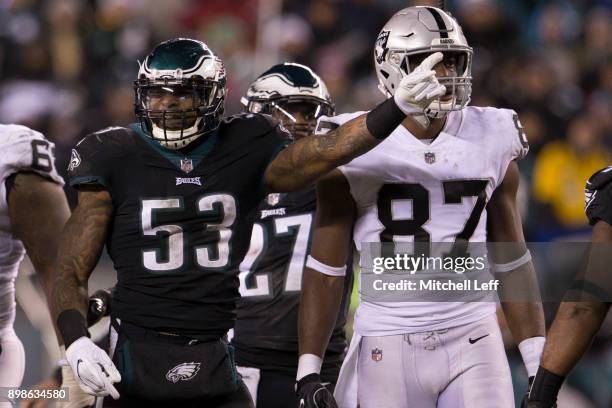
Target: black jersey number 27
206, 256
255, 282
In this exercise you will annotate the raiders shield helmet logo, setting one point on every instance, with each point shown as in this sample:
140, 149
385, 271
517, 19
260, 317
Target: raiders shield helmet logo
183, 372
380, 47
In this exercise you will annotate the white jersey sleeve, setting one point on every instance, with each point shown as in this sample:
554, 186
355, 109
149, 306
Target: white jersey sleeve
24, 149
514, 140
500, 134
326, 124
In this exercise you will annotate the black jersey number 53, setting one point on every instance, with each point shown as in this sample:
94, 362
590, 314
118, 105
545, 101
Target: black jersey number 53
206, 256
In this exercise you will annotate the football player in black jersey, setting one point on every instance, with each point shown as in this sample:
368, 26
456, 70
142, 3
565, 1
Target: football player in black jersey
174, 197
265, 335
577, 322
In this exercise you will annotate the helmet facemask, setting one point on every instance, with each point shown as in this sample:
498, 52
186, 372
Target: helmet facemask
179, 92
458, 86
414, 33
298, 114
178, 111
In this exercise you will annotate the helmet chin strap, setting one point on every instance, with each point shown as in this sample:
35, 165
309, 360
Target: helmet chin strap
437, 110
171, 139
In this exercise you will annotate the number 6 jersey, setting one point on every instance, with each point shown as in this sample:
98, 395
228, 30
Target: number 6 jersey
407, 190
23, 150
182, 219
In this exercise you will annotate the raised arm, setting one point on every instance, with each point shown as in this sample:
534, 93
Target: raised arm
304, 161
323, 279
516, 273
309, 158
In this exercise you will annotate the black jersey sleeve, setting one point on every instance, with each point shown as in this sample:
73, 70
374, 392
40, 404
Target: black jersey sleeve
94, 157
598, 196
260, 135
275, 141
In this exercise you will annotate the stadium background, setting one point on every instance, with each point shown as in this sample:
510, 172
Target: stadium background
66, 68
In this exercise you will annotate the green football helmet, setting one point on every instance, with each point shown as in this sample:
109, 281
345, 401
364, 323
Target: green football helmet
180, 91
287, 89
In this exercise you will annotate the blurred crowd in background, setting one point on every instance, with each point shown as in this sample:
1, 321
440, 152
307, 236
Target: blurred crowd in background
67, 66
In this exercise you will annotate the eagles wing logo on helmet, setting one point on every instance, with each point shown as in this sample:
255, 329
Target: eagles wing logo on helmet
183, 372
179, 92
285, 83
75, 160
380, 47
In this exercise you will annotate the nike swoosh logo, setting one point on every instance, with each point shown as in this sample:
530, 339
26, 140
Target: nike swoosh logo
472, 341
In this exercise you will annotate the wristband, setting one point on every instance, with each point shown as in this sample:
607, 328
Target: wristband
325, 269
308, 364
531, 351
72, 325
512, 265
384, 119
545, 387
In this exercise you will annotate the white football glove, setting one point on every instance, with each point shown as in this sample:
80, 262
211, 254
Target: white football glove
93, 369
78, 397
417, 89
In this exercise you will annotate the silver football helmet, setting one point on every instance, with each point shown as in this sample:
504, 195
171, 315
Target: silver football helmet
292, 93
424, 30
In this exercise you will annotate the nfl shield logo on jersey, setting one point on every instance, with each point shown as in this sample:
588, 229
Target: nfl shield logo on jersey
186, 165
273, 199
377, 354
430, 157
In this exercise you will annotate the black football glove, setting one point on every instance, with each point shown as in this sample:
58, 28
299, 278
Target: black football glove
312, 394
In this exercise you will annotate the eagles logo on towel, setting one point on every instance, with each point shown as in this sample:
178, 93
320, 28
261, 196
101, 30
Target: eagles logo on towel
183, 372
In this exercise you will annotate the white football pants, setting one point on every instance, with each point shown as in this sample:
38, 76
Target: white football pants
12, 362
460, 367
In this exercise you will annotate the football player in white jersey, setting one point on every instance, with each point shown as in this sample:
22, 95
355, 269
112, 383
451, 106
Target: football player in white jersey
447, 174
33, 211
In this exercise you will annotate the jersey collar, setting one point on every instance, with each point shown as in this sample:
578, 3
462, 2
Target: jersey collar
176, 156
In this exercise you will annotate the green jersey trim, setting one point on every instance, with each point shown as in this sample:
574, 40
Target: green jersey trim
175, 156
